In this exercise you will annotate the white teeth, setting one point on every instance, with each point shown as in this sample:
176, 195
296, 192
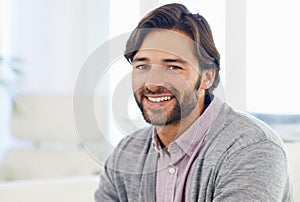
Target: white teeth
159, 99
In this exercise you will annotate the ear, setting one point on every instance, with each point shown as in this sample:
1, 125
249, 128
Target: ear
207, 78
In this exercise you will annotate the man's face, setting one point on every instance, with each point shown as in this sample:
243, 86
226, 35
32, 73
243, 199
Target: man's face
166, 77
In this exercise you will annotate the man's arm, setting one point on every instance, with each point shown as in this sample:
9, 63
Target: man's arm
106, 190
256, 173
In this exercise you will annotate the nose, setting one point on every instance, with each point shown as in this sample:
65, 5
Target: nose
155, 79
152, 86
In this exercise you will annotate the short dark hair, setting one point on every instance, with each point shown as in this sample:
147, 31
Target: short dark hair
178, 18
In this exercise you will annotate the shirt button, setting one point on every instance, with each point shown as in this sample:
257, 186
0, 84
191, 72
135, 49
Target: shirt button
172, 170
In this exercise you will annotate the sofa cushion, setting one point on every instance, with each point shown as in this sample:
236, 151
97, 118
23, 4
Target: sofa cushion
293, 156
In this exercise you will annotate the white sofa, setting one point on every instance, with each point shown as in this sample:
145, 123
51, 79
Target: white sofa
293, 155
64, 189
48, 161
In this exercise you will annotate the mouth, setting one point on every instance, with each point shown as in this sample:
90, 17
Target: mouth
159, 100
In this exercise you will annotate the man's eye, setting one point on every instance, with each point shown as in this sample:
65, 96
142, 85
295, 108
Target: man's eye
143, 67
173, 67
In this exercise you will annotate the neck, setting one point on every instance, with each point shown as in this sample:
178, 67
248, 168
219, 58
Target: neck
168, 133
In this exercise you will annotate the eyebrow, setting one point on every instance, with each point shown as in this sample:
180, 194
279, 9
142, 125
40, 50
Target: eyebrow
141, 59
175, 61
168, 60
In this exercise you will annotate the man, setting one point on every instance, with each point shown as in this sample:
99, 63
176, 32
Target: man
198, 148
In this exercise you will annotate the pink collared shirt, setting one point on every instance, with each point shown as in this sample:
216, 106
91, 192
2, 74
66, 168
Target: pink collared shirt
176, 163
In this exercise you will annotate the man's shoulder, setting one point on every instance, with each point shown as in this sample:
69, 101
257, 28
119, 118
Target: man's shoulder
235, 132
235, 129
132, 152
250, 128
139, 142
138, 138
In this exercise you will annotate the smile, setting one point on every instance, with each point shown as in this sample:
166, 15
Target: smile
159, 99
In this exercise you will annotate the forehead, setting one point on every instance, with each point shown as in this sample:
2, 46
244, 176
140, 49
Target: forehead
169, 42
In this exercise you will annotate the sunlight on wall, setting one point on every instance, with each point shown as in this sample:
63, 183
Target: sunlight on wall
5, 27
271, 56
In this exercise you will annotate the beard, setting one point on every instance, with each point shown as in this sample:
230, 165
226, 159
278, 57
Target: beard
185, 103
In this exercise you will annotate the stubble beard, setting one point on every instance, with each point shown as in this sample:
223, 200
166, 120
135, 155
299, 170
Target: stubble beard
180, 110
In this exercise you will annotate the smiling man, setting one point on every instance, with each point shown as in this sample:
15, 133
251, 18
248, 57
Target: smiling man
168, 86
197, 147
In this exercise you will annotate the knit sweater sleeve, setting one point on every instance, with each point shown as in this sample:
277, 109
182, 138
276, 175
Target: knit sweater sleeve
257, 172
106, 190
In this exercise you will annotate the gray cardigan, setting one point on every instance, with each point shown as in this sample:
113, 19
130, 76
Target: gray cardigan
242, 160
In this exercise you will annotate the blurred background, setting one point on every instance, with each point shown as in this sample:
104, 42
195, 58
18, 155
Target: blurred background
44, 45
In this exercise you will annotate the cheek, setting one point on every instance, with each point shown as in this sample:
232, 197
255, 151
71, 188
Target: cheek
163, 78
138, 81
182, 83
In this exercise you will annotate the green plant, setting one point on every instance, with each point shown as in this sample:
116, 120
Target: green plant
10, 74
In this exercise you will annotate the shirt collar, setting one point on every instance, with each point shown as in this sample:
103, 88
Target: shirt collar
156, 141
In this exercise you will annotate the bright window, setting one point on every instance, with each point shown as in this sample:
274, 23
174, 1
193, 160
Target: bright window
272, 67
272, 52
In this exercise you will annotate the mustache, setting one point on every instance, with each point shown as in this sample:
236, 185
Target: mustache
159, 90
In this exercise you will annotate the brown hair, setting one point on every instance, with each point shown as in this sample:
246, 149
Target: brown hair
178, 17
